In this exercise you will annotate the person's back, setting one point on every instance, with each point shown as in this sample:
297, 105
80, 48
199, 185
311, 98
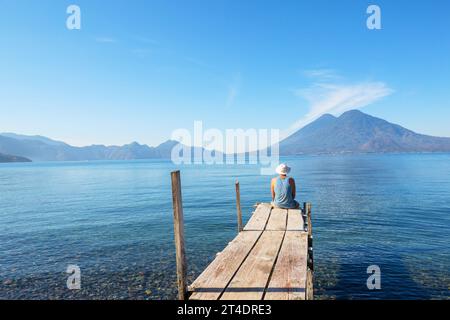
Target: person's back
283, 189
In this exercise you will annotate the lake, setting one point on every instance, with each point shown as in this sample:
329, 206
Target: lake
114, 220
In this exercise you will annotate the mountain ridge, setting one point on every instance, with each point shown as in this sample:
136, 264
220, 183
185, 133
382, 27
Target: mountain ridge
38, 150
357, 132
351, 132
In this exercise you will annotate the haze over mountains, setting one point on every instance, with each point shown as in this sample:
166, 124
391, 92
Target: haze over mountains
39, 148
352, 132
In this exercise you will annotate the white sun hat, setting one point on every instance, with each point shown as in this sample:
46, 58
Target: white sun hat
283, 169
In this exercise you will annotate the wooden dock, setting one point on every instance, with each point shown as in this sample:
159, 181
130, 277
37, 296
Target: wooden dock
270, 259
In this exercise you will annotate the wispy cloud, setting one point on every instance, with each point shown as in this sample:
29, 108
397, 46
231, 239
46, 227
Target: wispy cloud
328, 94
233, 90
105, 40
321, 74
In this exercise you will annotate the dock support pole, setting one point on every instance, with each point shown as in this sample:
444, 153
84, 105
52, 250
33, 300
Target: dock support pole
178, 223
238, 207
308, 216
310, 274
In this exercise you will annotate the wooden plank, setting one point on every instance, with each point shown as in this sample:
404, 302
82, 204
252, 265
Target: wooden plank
250, 281
288, 280
259, 218
295, 220
214, 279
277, 220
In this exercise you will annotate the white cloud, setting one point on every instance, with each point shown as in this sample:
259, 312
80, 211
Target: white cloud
105, 40
321, 74
326, 95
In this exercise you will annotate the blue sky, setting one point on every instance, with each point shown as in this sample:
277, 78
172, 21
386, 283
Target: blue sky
137, 70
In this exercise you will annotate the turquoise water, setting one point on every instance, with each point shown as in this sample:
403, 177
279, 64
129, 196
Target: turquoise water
114, 220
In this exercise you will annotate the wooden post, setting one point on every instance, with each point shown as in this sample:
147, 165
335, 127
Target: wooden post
305, 217
178, 223
310, 271
309, 285
308, 216
238, 207
310, 237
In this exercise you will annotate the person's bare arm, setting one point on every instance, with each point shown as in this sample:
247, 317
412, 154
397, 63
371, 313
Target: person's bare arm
292, 183
272, 189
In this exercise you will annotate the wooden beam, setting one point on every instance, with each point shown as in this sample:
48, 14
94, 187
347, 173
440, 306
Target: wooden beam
308, 216
250, 281
178, 224
295, 220
277, 220
309, 285
288, 280
238, 207
310, 273
213, 281
259, 218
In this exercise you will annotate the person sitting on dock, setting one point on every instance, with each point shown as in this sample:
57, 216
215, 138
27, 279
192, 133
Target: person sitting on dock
283, 189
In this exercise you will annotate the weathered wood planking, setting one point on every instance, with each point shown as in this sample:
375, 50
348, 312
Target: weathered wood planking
269, 260
295, 220
288, 280
250, 281
214, 279
277, 220
259, 218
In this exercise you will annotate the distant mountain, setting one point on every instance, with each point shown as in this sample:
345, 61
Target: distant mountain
352, 132
357, 132
39, 148
33, 138
4, 158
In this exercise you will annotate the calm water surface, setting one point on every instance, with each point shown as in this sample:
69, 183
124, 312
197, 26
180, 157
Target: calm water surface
114, 220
